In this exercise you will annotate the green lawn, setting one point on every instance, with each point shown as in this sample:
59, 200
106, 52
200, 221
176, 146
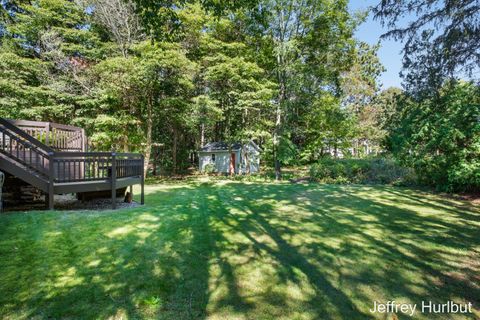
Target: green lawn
237, 250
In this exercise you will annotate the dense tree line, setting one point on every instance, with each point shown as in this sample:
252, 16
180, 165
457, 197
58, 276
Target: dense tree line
275, 72
164, 78
439, 136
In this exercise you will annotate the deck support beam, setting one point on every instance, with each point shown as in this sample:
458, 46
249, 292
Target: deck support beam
114, 180
50, 196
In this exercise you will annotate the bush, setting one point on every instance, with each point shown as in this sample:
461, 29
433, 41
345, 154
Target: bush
362, 171
440, 137
209, 168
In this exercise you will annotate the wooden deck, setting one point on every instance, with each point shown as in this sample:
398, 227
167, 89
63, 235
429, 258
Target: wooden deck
52, 158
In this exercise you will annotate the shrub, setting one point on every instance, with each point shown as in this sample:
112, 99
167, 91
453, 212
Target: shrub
209, 168
439, 137
363, 171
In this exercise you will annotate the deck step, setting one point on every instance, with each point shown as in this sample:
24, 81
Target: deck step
18, 170
62, 166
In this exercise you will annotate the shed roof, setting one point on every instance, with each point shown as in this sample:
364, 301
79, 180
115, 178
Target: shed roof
220, 146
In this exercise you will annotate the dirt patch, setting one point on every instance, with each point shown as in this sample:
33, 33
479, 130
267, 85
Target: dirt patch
472, 197
300, 180
70, 202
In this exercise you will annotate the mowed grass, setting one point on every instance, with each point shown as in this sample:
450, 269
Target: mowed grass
231, 250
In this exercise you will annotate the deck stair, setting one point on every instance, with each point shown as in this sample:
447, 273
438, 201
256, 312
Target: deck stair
53, 158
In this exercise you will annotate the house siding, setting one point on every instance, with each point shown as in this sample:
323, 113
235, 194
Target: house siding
254, 159
222, 160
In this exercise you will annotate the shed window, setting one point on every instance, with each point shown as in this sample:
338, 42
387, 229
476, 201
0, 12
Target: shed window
213, 157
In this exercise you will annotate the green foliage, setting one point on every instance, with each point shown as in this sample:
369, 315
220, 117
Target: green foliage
237, 85
364, 171
301, 93
288, 152
327, 125
360, 89
162, 20
53, 29
215, 77
209, 168
441, 42
440, 137
46, 50
20, 84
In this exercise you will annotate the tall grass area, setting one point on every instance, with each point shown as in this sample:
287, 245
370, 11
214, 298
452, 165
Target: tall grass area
362, 171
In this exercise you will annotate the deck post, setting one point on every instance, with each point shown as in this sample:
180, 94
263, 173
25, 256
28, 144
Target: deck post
51, 173
142, 196
114, 180
47, 133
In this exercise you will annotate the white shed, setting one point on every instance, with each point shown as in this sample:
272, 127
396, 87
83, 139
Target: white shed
234, 161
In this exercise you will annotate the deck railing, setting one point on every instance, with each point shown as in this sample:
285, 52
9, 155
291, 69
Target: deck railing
59, 137
93, 166
21, 147
56, 154
66, 166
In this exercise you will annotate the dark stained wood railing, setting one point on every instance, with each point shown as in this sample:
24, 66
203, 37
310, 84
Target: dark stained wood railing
60, 162
21, 147
92, 166
59, 137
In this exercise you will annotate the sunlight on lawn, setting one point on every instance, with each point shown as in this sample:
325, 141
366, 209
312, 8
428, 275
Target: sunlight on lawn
242, 251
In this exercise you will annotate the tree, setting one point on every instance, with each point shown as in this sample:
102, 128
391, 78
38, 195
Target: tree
206, 115
387, 107
359, 87
21, 85
441, 42
52, 39
115, 117
139, 97
121, 21
311, 43
440, 136
176, 74
161, 17
235, 86
328, 126
167, 79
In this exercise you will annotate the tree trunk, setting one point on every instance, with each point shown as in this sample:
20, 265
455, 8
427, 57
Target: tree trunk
278, 124
148, 144
154, 163
202, 135
125, 143
282, 78
174, 150
247, 162
231, 164
278, 130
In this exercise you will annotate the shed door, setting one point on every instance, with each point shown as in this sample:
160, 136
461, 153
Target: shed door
232, 164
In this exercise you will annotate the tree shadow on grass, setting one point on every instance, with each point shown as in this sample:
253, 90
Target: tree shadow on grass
290, 260
152, 262
390, 249
240, 250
